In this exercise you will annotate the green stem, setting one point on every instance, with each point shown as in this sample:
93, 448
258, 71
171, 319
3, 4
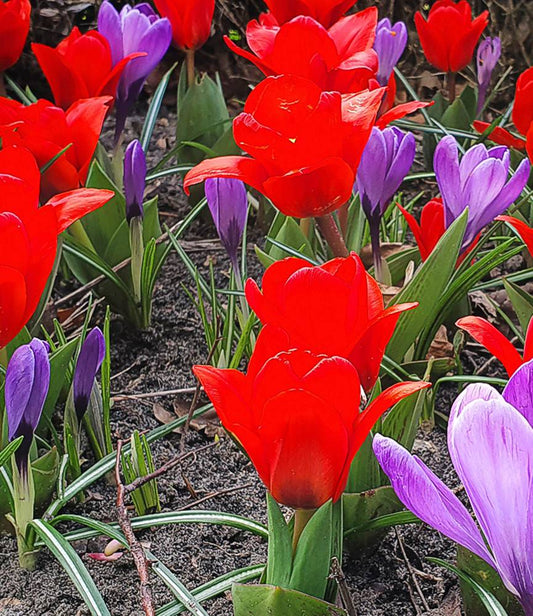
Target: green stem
4, 359
305, 226
301, 517
23, 505
117, 162
451, 87
189, 59
330, 231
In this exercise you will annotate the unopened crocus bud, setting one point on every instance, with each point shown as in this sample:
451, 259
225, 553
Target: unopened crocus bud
228, 205
134, 180
488, 54
389, 44
26, 388
89, 361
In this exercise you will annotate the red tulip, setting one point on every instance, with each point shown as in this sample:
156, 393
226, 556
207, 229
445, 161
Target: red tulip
14, 28
190, 19
522, 117
306, 145
326, 12
46, 130
335, 308
496, 343
80, 67
340, 59
29, 235
523, 230
297, 416
431, 227
449, 35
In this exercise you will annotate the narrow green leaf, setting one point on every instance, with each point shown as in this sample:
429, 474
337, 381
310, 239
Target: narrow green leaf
73, 565
521, 301
153, 109
9, 450
279, 563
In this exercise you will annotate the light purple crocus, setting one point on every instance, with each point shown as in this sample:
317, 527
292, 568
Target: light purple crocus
389, 44
488, 54
89, 361
26, 388
386, 160
479, 182
134, 29
228, 205
134, 180
490, 439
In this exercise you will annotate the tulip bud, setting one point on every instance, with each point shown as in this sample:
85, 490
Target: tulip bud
488, 54
389, 44
228, 205
89, 361
134, 180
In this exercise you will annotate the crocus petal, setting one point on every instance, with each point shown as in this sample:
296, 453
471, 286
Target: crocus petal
134, 179
422, 492
446, 165
89, 361
498, 481
493, 340
519, 390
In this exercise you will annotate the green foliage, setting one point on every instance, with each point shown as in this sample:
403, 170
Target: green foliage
137, 463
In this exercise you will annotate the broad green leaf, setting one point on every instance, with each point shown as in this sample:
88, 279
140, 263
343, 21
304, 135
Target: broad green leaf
279, 563
426, 287
402, 422
262, 600
521, 301
364, 471
45, 471
73, 566
287, 231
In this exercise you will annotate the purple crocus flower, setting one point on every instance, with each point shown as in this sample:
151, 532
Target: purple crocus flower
228, 205
134, 29
490, 439
479, 182
26, 388
389, 44
488, 54
89, 361
134, 179
386, 160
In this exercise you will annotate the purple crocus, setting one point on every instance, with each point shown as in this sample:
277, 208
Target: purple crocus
389, 44
89, 361
134, 180
134, 29
26, 388
478, 182
490, 439
488, 54
386, 160
228, 205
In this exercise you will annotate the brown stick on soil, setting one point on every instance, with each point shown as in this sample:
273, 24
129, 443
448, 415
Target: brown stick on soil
139, 557
338, 575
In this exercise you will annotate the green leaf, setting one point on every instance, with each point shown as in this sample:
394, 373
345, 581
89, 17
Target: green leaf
313, 554
279, 564
521, 301
9, 450
214, 588
285, 230
492, 605
45, 472
365, 470
73, 565
153, 109
402, 422
426, 287
398, 518
262, 600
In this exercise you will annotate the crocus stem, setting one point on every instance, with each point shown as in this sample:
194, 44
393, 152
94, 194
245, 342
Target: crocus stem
301, 517
23, 505
137, 254
376, 250
190, 66
330, 231
451, 87
3, 91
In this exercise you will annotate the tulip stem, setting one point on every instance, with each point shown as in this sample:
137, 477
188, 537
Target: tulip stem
451, 87
330, 231
189, 58
344, 212
4, 359
3, 91
305, 226
301, 517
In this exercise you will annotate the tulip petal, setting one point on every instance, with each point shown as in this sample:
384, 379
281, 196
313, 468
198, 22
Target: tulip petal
239, 167
524, 231
422, 492
75, 204
523, 103
355, 33
500, 135
400, 111
12, 303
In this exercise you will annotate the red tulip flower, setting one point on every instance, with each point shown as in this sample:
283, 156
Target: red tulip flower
522, 117
190, 20
340, 59
523, 230
46, 130
326, 12
81, 66
431, 227
497, 344
305, 143
297, 415
14, 28
449, 35
335, 308
29, 235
